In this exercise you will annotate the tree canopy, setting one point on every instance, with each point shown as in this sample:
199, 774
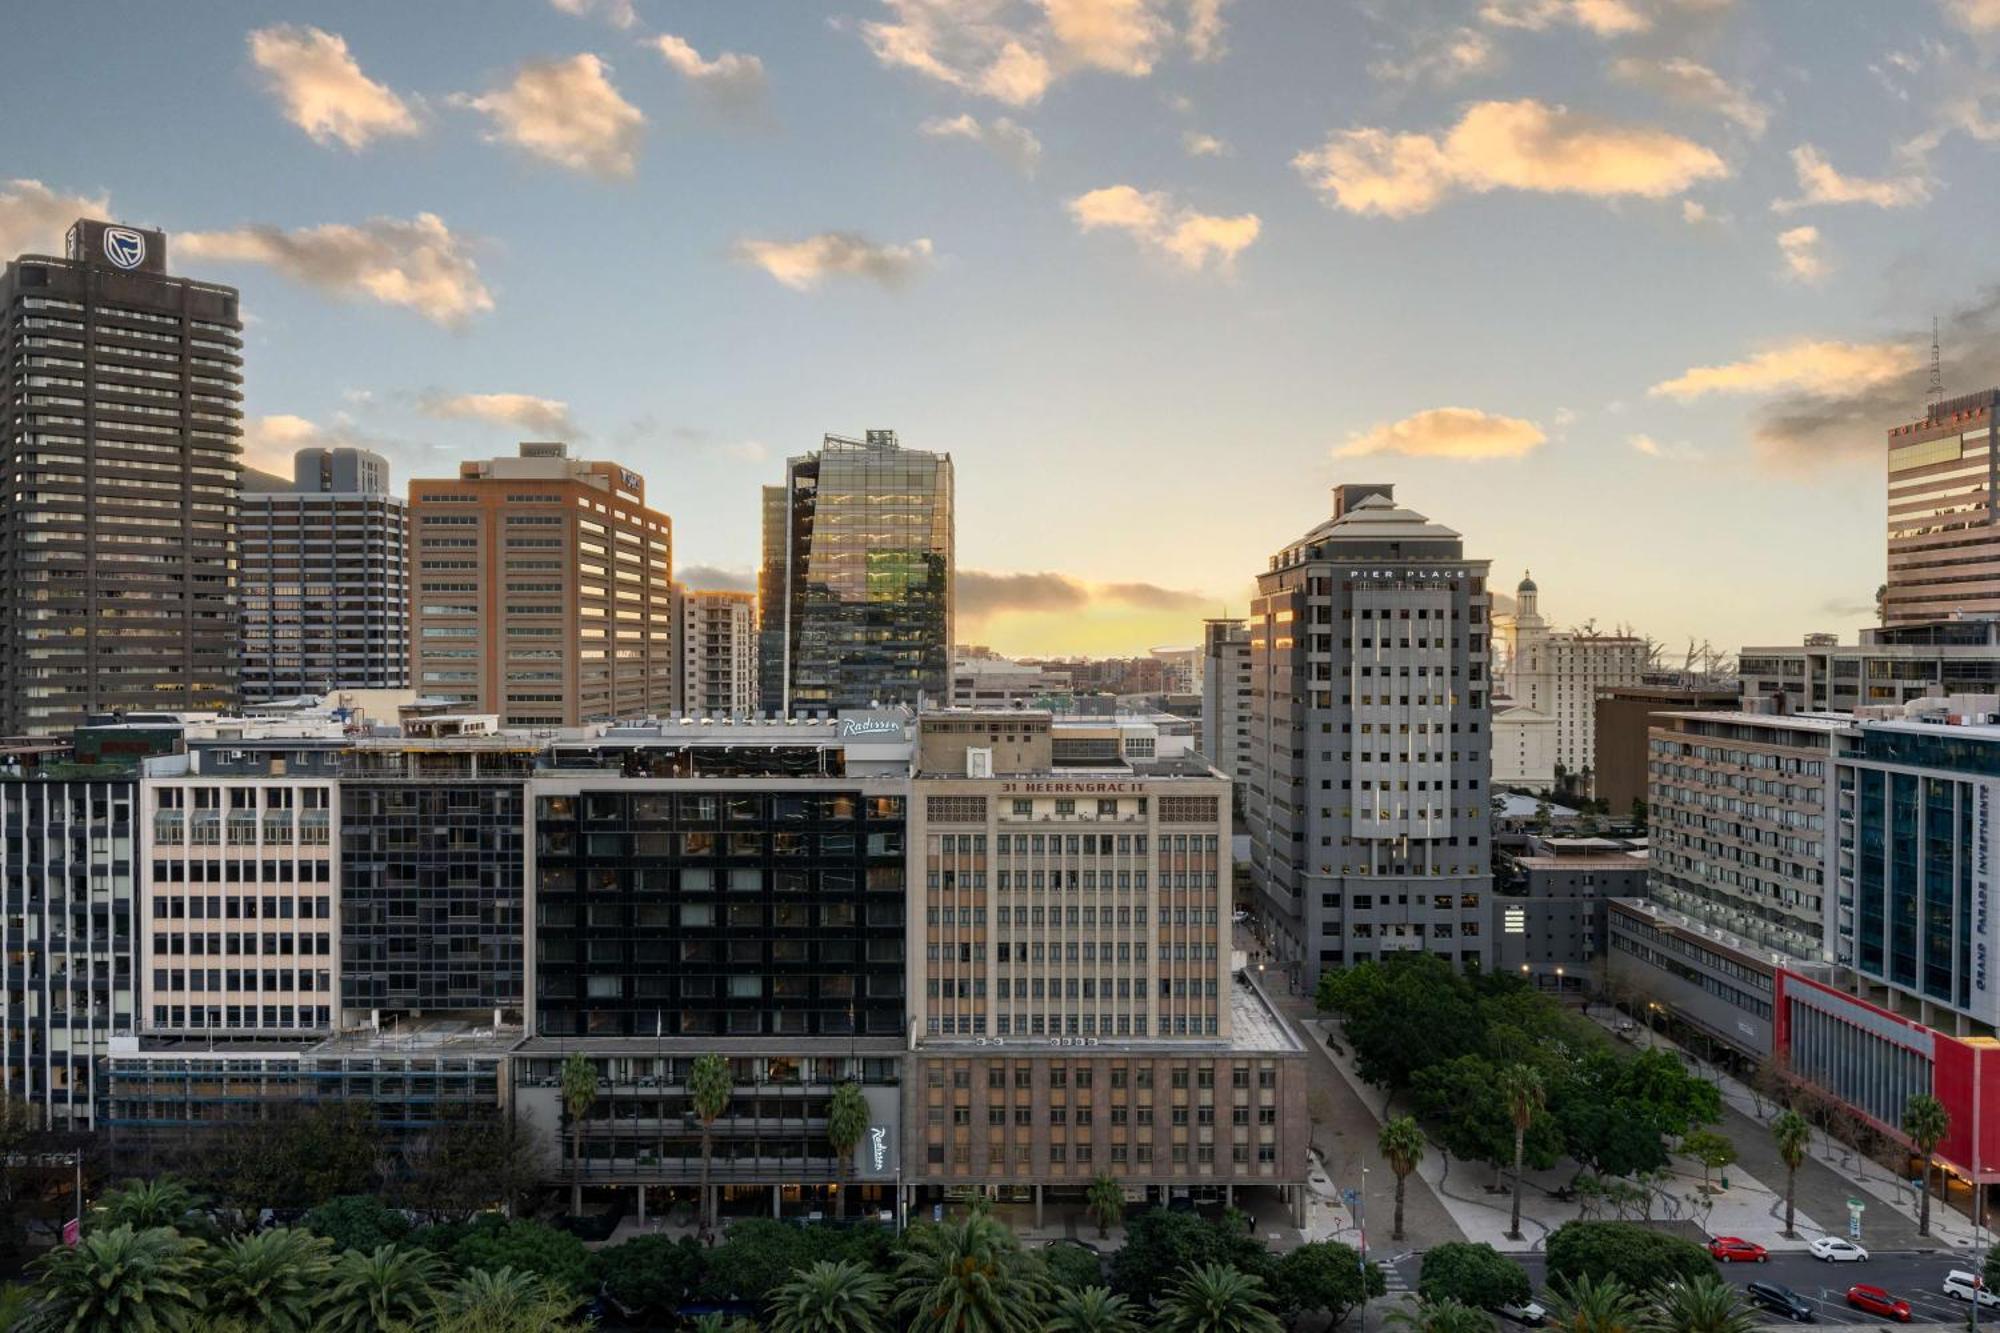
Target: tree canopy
1637, 1257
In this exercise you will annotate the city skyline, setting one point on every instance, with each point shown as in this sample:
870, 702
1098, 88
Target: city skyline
1204, 247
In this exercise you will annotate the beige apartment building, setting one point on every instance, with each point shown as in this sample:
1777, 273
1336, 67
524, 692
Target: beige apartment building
1073, 1007
718, 652
542, 590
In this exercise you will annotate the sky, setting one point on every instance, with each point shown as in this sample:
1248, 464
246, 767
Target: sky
1626, 291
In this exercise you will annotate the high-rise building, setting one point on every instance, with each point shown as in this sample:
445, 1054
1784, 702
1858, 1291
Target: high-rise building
857, 581
1367, 797
1225, 696
718, 652
121, 393
1893, 664
1558, 673
1625, 717
1944, 524
325, 581
542, 590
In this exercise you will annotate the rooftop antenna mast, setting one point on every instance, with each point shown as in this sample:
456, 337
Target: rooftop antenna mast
1937, 369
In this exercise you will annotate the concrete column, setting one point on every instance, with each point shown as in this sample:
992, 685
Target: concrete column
1228, 1196
1299, 1206
777, 1201
642, 1203
1038, 1207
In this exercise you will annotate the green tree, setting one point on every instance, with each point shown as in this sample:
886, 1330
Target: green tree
1635, 1256
1794, 1139
1089, 1310
653, 1274
1990, 1271
843, 1297
1926, 1122
145, 1204
333, 1148
710, 1086
1105, 1202
762, 1253
358, 1222
1472, 1274
532, 1248
118, 1279
1442, 1316
383, 1287
1070, 1266
1521, 1088
1326, 1277
503, 1301
1215, 1298
1639, 813
968, 1277
579, 1094
846, 1122
1705, 1305
470, 1159
1160, 1243
273, 1280
1598, 1305
1402, 1144
1714, 1151
1402, 1014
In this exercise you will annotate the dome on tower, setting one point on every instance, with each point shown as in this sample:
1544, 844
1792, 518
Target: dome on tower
1527, 584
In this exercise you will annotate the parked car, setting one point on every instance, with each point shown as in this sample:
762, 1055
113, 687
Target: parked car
1781, 1299
1875, 1301
1527, 1312
1736, 1250
1837, 1250
1963, 1286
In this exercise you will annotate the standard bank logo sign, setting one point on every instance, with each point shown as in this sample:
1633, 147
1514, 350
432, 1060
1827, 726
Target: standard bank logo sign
124, 247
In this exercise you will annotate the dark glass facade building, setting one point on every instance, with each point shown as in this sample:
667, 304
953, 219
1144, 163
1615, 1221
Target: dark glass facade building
858, 575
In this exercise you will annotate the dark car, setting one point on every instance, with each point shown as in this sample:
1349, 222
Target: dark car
1781, 1299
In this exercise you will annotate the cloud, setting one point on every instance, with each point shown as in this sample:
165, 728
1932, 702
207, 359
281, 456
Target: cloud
1694, 214
1800, 248
805, 264
1816, 366
1686, 83
1012, 143
1679, 451
1157, 222
979, 594
1524, 145
731, 84
34, 218
1602, 18
1447, 432
1819, 183
1441, 59
547, 417
322, 88
269, 442
1197, 144
1013, 50
715, 578
567, 112
1204, 29
618, 13
1974, 15
1122, 36
418, 263
963, 45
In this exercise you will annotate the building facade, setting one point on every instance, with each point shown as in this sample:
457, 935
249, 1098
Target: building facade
858, 607
1225, 696
121, 392
1944, 529
1524, 747
1367, 794
718, 653
325, 582
1894, 664
1624, 728
1561, 672
542, 590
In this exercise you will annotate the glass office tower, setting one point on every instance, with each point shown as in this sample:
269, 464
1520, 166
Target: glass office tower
865, 531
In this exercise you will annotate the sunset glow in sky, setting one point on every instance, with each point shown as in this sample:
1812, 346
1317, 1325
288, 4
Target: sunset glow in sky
1627, 291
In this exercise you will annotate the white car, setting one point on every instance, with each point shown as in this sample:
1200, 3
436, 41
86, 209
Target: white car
1527, 1313
1837, 1250
1964, 1286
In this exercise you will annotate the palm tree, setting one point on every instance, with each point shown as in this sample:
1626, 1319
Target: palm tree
505, 1300
1705, 1305
1926, 1122
273, 1280
1105, 1202
1442, 1316
143, 1204
844, 1297
710, 1085
1794, 1139
1215, 1298
1521, 1087
388, 1285
969, 1276
579, 1093
1587, 1306
1403, 1144
1089, 1310
120, 1279
846, 1122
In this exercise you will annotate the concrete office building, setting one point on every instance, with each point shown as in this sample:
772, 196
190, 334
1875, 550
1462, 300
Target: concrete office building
1625, 719
121, 392
1666, 964
1893, 664
1524, 747
1226, 686
1550, 919
1561, 672
857, 584
542, 590
718, 652
325, 583
1367, 795
1073, 962
993, 682
1944, 529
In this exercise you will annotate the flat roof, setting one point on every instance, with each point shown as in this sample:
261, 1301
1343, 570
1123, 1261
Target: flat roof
1827, 722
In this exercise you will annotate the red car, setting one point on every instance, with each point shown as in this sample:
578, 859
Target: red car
1736, 1250
1876, 1301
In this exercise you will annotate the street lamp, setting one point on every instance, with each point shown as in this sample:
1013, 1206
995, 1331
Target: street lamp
1559, 981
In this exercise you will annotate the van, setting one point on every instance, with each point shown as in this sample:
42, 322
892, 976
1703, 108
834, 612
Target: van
1781, 1299
1963, 1286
